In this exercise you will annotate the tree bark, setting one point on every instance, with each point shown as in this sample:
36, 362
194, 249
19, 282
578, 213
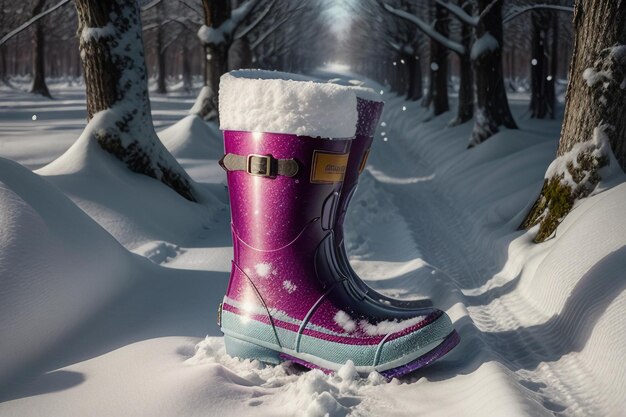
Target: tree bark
594, 113
239, 55
492, 104
465, 110
186, 68
160, 52
554, 65
599, 27
216, 12
414, 72
4, 68
439, 64
39, 85
540, 96
115, 75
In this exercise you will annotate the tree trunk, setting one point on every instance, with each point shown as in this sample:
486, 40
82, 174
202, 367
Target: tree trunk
115, 75
216, 12
491, 101
594, 113
186, 68
414, 73
554, 68
38, 55
239, 55
439, 64
465, 110
160, 52
4, 68
539, 99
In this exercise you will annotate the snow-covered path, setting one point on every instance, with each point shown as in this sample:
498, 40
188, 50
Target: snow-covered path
539, 323
494, 344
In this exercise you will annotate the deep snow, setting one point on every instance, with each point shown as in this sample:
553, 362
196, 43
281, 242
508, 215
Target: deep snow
91, 328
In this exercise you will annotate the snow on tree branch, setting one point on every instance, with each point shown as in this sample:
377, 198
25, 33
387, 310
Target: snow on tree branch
483, 45
267, 33
460, 13
224, 33
427, 29
517, 11
32, 20
240, 34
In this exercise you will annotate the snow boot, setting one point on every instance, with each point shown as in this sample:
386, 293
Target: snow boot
369, 112
287, 298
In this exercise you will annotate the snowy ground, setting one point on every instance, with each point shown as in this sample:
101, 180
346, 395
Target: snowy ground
105, 313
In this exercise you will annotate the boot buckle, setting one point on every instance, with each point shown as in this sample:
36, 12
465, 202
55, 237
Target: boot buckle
259, 165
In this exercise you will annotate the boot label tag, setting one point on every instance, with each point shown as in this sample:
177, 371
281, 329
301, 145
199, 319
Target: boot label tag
364, 161
328, 167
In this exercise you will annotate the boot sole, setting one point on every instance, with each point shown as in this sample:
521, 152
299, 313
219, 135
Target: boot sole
240, 348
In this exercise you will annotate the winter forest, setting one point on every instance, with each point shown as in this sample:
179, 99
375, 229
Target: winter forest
181, 231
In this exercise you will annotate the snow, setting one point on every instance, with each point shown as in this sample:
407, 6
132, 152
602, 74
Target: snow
271, 101
263, 269
192, 138
344, 321
427, 29
485, 44
204, 94
597, 147
360, 88
386, 327
209, 35
97, 33
111, 282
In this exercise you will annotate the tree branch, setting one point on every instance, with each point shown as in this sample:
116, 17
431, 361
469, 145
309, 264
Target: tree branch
240, 34
190, 7
30, 21
519, 11
459, 13
268, 32
427, 29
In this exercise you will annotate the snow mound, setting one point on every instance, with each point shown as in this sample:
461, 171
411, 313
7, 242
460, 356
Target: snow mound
134, 208
270, 101
284, 387
191, 138
52, 275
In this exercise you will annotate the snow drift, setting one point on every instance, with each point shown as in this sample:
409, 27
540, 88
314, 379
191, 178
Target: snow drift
134, 208
51, 264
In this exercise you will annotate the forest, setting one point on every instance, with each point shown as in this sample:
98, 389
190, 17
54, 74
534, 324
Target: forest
493, 194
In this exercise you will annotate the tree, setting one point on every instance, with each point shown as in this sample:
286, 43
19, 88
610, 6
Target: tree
39, 85
593, 135
217, 34
492, 105
111, 48
439, 46
438, 91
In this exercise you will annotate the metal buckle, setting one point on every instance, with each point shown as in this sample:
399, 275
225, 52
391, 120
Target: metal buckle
260, 172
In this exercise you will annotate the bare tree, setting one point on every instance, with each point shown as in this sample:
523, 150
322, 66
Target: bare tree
594, 126
492, 105
440, 45
114, 68
217, 34
39, 85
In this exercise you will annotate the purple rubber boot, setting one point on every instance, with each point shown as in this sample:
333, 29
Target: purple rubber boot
369, 112
287, 298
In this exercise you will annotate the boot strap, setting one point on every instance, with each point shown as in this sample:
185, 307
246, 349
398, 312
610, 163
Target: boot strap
259, 165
